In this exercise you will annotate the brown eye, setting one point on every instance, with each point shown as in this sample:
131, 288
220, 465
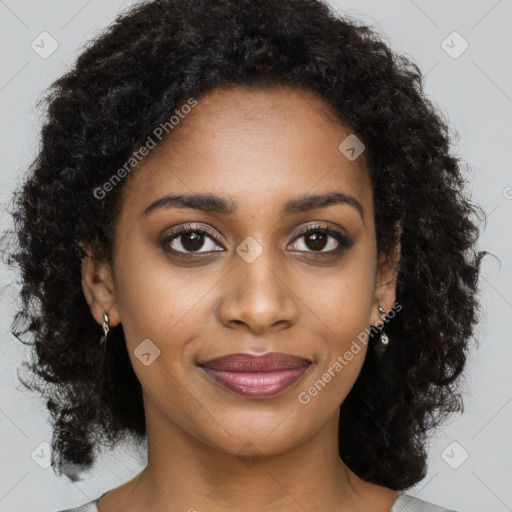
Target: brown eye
189, 239
318, 238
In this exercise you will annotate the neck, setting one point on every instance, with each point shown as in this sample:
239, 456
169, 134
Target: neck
184, 473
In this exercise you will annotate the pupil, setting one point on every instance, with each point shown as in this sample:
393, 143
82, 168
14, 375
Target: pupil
193, 241
319, 241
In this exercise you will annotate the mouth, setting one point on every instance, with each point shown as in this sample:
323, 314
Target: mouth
256, 376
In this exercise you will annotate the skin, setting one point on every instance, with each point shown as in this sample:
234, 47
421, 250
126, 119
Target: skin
260, 148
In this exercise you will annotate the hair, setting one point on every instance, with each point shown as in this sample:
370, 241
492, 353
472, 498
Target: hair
129, 80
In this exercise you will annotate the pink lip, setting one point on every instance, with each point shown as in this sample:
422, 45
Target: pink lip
251, 375
256, 383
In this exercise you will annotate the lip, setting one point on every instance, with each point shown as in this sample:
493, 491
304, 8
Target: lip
256, 376
244, 362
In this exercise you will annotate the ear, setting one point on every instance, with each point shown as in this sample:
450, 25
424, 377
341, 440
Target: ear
98, 288
385, 287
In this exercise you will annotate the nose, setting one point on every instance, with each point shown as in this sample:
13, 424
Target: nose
256, 297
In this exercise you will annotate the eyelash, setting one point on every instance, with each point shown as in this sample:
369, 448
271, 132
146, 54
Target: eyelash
344, 241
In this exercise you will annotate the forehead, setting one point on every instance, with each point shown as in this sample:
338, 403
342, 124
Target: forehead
256, 146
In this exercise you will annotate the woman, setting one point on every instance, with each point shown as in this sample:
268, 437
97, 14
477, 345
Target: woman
256, 207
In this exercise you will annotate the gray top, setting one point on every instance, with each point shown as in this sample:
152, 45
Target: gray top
404, 503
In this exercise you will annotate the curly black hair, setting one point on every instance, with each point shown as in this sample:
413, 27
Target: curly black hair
131, 79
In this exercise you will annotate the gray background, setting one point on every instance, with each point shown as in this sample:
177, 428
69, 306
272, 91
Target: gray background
474, 91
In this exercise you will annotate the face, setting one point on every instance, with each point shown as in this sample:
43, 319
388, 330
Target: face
246, 278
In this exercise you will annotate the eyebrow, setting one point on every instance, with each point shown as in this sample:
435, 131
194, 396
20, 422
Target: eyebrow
216, 204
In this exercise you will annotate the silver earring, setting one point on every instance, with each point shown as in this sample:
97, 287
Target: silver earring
383, 337
105, 328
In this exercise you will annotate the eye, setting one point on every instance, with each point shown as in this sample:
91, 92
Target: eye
189, 239
317, 239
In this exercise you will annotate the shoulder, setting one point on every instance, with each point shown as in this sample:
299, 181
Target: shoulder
91, 506
408, 503
88, 507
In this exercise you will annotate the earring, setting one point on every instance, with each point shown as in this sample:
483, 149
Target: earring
105, 328
383, 337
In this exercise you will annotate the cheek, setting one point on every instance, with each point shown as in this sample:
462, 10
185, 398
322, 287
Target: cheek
343, 304
343, 298
169, 307
151, 299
